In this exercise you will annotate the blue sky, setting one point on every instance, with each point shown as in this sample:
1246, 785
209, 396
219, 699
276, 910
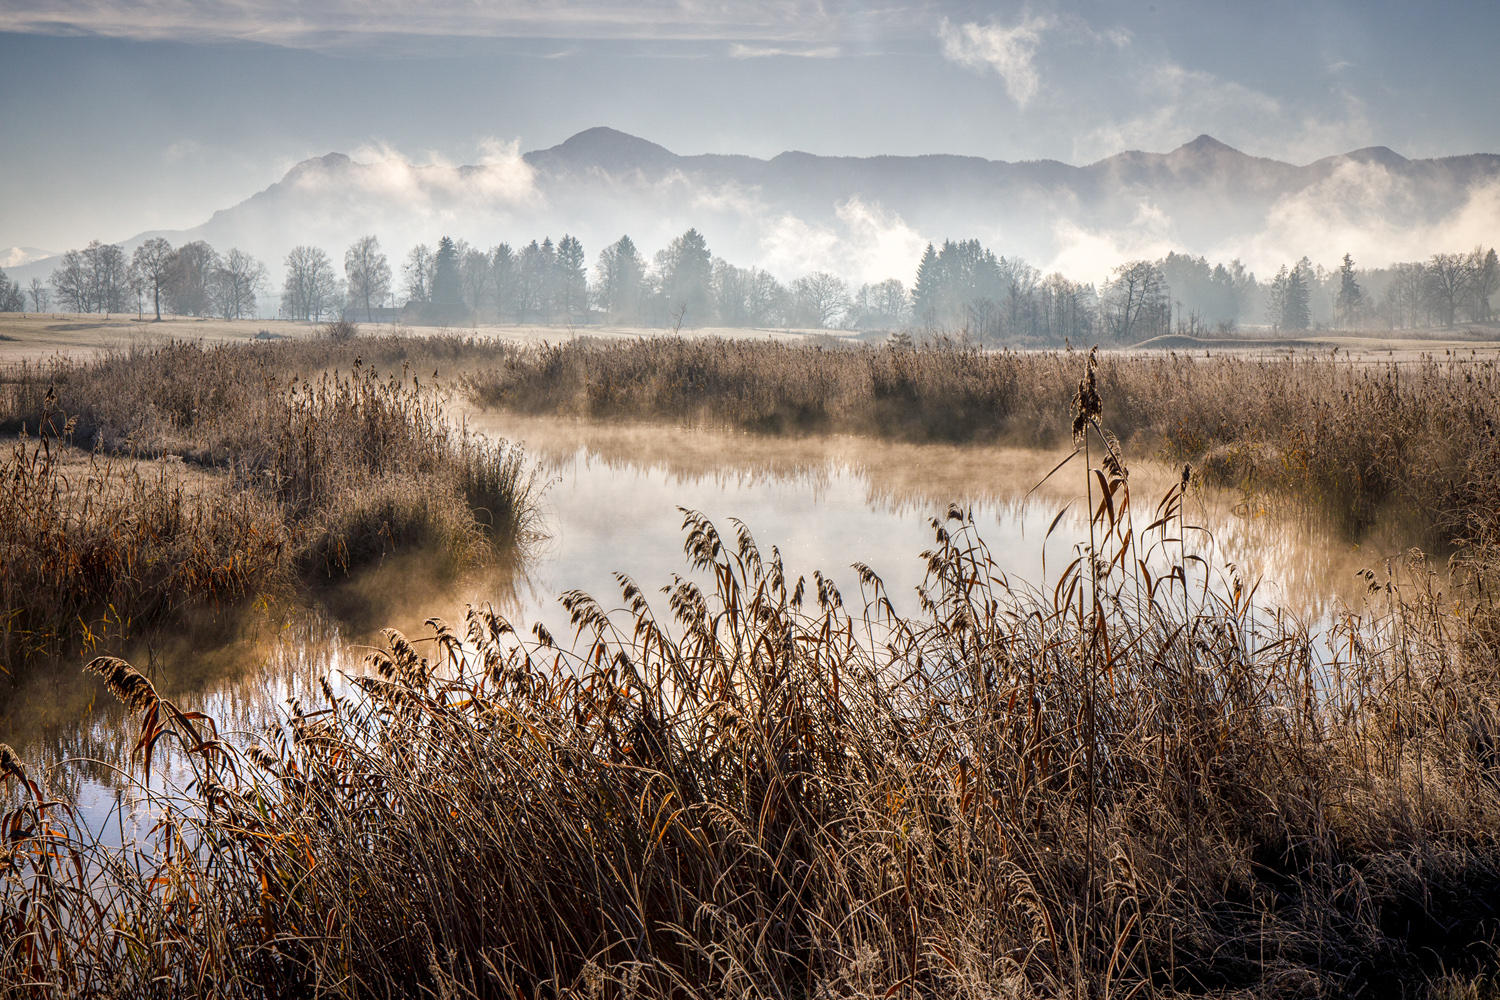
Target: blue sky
125, 115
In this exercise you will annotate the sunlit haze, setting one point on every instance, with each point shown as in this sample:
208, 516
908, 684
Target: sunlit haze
125, 117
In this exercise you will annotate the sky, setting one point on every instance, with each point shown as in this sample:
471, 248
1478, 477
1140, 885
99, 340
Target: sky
120, 116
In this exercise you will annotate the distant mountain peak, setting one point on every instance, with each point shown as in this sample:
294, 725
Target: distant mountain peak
603, 147
1383, 155
327, 162
1206, 143
1206, 146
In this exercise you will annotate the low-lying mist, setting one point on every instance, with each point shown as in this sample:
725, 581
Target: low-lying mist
868, 219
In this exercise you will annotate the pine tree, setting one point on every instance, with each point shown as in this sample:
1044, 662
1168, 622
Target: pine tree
529, 281
503, 281
547, 283
572, 280
927, 292
690, 277
618, 277
1295, 311
1276, 298
1350, 294
447, 285
1485, 282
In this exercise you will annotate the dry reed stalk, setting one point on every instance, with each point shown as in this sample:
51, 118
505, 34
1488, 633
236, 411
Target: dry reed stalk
1114, 787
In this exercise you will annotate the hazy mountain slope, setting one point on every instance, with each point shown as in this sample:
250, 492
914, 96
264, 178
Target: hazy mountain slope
868, 217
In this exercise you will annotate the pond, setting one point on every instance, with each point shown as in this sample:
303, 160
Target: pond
612, 505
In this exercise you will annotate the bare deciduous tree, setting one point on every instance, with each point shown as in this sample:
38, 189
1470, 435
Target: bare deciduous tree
237, 281
94, 279
190, 284
766, 299
1447, 279
71, 283
311, 287
474, 275
151, 268
41, 297
1138, 297
12, 299
821, 298
368, 274
418, 273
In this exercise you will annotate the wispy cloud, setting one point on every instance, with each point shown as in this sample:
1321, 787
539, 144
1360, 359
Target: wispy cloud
742, 51
1172, 104
758, 24
1009, 51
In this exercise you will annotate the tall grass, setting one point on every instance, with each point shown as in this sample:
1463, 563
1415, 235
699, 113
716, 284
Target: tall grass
309, 474
1362, 442
93, 549
1129, 783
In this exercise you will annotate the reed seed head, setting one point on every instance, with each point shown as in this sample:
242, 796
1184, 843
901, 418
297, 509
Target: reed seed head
10, 764
124, 682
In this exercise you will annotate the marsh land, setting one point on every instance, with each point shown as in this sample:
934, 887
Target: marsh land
498, 663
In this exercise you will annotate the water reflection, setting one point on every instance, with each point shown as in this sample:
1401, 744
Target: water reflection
613, 506
829, 501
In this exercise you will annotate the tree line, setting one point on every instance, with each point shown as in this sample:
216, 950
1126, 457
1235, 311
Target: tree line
1445, 289
682, 284
959, 285
191, 280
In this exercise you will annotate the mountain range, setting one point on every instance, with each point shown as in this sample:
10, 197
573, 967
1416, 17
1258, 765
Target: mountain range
868, 218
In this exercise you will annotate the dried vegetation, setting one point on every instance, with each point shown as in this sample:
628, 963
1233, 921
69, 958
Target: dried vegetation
1361, 441
1130, 784
293, 462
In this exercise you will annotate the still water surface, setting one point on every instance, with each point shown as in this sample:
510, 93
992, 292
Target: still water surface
612, 505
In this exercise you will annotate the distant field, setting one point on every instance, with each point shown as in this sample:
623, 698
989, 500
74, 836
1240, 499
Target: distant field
1402, 345
29, 335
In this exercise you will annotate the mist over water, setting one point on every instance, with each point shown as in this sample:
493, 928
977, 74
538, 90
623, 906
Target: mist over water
612, 506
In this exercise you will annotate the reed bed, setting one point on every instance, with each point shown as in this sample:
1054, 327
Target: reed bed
301, 471
92, 549
1132, 783
1359, 442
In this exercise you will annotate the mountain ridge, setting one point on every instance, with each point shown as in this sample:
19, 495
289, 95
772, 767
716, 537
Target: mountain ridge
1204, 196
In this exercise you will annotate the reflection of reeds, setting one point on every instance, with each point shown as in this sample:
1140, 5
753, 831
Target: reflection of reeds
1356, 440
1121, 786
311, 477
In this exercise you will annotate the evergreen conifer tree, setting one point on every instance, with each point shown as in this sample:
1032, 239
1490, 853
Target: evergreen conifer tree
572, 279
689, 278
927, 292
503, 268
1350, 295
1295, 311
447, 285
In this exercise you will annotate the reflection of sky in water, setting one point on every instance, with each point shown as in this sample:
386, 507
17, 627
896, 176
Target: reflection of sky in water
828, 502
613, 507
605, 520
